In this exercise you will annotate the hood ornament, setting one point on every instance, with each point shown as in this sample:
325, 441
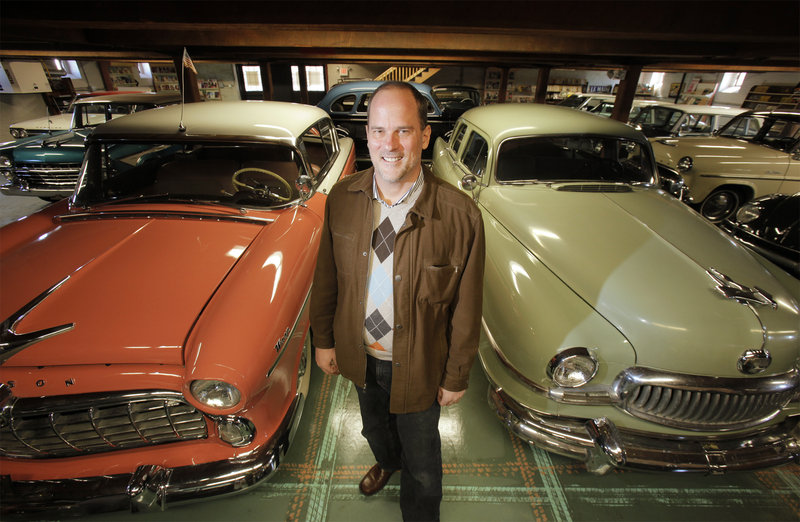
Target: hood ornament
740, 293
11, 343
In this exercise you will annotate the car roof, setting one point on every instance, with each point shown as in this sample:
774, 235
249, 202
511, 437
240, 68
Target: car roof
507, 120
702, 109
792, 115
238, 120
362, 87
131, 97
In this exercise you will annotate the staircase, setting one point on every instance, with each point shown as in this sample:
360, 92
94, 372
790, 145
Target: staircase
407, 74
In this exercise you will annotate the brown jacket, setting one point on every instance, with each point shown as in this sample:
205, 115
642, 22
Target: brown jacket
438, 267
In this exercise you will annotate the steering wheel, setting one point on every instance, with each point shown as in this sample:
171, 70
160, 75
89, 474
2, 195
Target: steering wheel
263, 189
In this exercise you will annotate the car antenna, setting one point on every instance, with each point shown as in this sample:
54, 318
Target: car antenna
186, 61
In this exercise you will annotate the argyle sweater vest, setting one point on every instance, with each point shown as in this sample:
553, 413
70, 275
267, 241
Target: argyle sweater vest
379, 321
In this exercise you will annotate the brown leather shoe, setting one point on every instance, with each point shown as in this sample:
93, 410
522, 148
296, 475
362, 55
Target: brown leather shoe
374, 480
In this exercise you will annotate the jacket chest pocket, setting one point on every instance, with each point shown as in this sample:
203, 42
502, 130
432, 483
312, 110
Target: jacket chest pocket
439, 282
345, 251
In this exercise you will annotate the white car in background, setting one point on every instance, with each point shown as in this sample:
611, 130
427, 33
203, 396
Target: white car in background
53, 122
662, 120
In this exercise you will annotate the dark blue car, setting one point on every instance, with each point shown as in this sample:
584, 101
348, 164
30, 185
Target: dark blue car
347, 105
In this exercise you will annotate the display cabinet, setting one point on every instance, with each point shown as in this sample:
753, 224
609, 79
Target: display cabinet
773, 97
165, 79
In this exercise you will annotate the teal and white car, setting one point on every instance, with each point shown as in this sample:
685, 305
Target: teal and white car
620, 327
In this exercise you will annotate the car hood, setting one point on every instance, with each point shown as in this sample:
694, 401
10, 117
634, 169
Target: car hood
60, 147
55, 123
726, 152
133, 288
641, 259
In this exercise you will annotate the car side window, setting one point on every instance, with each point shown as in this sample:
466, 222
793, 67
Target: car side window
344, 103
319, 146
475, 154
364, 103
458, 135
743, 127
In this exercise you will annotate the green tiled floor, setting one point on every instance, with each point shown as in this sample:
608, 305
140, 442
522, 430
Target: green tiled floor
489, 475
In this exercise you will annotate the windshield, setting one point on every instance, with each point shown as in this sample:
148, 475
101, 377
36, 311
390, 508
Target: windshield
574, 158
259, 175
778, 131
657, 121
93, 114
572, 101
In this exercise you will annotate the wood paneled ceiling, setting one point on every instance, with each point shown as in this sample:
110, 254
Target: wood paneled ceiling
664, 35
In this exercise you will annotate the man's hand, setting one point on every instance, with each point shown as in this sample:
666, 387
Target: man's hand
326, 360
448, 398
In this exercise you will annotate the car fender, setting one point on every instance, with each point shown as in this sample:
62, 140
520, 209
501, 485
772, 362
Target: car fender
236, 345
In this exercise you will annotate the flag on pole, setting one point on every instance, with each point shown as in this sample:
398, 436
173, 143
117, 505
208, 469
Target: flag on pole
187, 62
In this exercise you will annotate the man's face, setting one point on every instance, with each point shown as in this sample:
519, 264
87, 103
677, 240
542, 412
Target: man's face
394, 136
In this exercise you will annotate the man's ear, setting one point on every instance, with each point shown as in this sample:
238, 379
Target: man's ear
426, 136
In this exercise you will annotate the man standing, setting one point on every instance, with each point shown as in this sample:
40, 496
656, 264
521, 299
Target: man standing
396, 301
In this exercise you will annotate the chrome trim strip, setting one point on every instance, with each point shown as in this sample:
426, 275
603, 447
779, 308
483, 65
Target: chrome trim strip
11, 343
285, 339
164, 214
740, 178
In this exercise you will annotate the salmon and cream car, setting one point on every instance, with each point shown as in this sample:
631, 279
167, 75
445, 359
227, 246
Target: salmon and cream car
620, 327
756, 154
155, 340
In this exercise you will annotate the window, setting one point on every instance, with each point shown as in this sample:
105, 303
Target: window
458, 135
364, 103
144, 70
315, 78
318, 142
252, 78
732, 82
344, 103
475, 154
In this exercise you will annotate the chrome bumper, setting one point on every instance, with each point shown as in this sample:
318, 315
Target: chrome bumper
16, 190
603, 447
150, 487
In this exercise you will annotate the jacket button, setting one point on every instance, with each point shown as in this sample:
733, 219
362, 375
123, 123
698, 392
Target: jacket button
364, 254
398, 327
398, 277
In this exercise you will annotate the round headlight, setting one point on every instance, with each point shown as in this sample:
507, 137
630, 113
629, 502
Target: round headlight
685, 163
18, 133
216, 394
572, 367
5, 162
748, 213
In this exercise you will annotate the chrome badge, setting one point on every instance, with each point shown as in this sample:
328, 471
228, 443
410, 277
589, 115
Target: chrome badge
754, 361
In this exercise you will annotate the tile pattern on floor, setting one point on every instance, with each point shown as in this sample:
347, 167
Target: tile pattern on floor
489, 475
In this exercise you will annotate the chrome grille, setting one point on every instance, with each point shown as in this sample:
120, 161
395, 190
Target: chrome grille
67, 426
49, 176
704, 403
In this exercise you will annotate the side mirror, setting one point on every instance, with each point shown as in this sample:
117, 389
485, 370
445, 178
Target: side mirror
470, 182
305, 185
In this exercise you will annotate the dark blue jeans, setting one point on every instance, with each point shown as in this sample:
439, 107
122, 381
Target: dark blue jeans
409, 441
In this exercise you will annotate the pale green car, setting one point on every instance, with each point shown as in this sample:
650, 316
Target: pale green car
620, 327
